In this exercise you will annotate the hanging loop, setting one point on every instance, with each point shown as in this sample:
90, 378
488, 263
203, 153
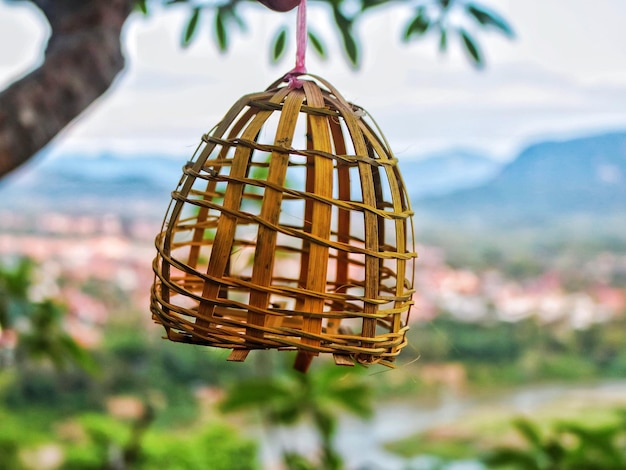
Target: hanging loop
301, 43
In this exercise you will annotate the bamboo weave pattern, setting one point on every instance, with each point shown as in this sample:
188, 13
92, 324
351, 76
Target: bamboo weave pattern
291, 229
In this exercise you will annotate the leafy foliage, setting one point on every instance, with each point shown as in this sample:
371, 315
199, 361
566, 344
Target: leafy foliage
471, 47
14, 437
566, 446
500, 352
216, 447
39, 324
317, 43
221, 33
291, 396
108, 444
418, 25
489, 18
94, 441
142, 6
287, 398
278, 49
345, 25
15, 282
440, 17
40, 397
192, 26
46, 338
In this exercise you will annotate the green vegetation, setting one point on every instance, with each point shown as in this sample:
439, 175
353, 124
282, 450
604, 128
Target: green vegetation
52, 395
97, 441
39, 324
527, 249
319, 396
171, 394
569, 435
565, 446
449, 22
56, 394
500, 353
216, 446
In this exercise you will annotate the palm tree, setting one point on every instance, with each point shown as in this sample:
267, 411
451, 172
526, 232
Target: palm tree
288, 397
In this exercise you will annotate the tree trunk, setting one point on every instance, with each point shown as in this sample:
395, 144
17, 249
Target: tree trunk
82, 59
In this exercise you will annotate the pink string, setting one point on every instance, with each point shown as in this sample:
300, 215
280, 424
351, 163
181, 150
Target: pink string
301, 40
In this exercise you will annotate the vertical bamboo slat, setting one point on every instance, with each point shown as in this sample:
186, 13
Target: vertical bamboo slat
290, 229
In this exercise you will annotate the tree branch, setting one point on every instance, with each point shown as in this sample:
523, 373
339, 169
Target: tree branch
82, 59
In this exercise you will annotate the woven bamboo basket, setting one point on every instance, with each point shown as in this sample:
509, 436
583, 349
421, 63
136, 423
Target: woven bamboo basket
290, 229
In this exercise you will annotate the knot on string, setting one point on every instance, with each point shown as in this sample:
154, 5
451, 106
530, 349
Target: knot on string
292, 78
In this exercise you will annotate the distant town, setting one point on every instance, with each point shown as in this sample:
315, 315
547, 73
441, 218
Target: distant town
73, 252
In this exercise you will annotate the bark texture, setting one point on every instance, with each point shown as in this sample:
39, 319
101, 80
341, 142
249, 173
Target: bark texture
83, 57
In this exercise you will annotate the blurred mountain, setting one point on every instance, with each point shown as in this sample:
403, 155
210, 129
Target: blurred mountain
546, 181
106, 183
584, 176
448, 171
121, 183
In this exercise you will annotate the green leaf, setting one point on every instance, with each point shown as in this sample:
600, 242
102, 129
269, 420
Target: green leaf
254, 393
326, 422
443, 39
367, 4
345, 29
530, 432
232, 14
489, 18
350, 46
279, 44
317, 44
472, 48
295, 461
220, 30
46, 339
192, 24
371, 4
143, 8
418, 25
357, 399
597, 441
510, 458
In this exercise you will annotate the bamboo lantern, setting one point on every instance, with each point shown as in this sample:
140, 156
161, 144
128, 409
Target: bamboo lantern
290, 229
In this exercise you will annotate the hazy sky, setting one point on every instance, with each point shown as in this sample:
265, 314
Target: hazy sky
564, 75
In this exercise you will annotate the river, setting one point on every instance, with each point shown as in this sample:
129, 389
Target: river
361, 442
